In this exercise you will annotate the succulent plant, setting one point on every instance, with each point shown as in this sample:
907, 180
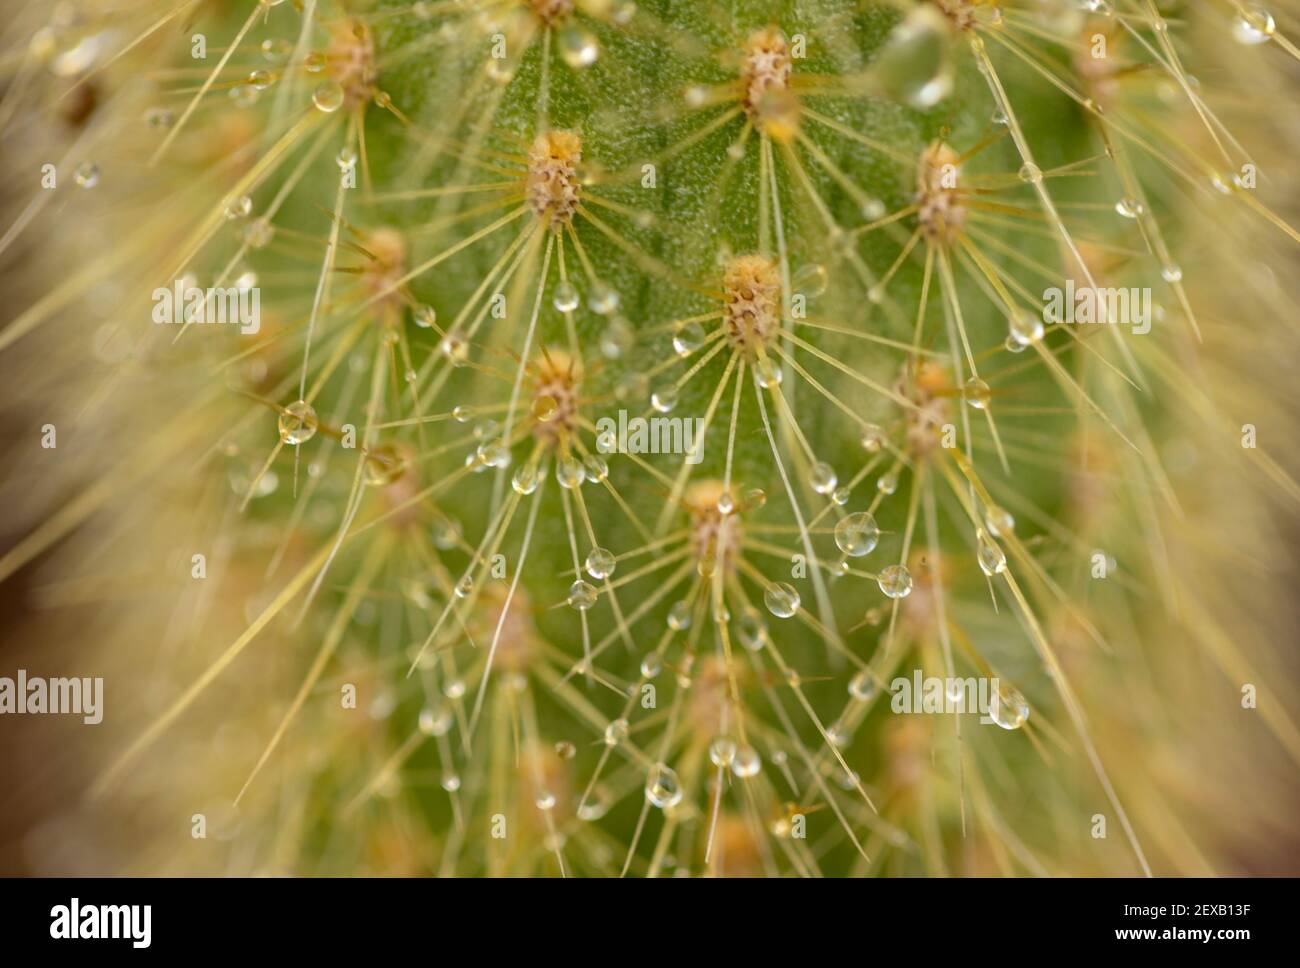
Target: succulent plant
588, 437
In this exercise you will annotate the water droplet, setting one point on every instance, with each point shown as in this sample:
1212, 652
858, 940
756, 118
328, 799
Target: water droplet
260, 79
582, 595
239, 207
752, 630
662, 788
1008, 708
1129, 207
992, 559
545, 408
781, 599
600, 563
822, 477
767, 374
328, 97
566, 297
1254, 25
857, 534
435, 722
887, 483
616, 732
679, 616
913, 66
453, 347
157, 117
384, 465
570, 472
604, 300
811, 280
1025, 328
651, 666
1031, 173
258, 233
999, 521
450, 782
977, 393
565, 750
746, 762
687, 339
722, 751
525, 479
86, 175
596, 468
1171, 273
578, 46
664, 400
873, 438
862, 686
617, 338
464, 587
346, 159
298, 423
895, 581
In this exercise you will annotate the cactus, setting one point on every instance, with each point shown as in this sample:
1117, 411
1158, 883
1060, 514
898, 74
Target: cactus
587, 437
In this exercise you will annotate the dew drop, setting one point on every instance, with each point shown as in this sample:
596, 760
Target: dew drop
895, 581
811, 280
86, 175
887, 483
746, 762
679, 616
595, 467
600, 563
862, 686
1025, 328
464, 587
298, 423
1171, 273
582, 595
604, 300
239, 207
1030, 173
873, 438
570, 472
617, 338
1254, 25
781, 599
767, 374
328, 97
722, 752
1129, 207
525, 479
578, 46
992, 559
687, 339
545, 408
822, 477
857, 534
664, 400
1008, 708
662, 788
616, 732
565, 297
999, 521
977, 393
752, 630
